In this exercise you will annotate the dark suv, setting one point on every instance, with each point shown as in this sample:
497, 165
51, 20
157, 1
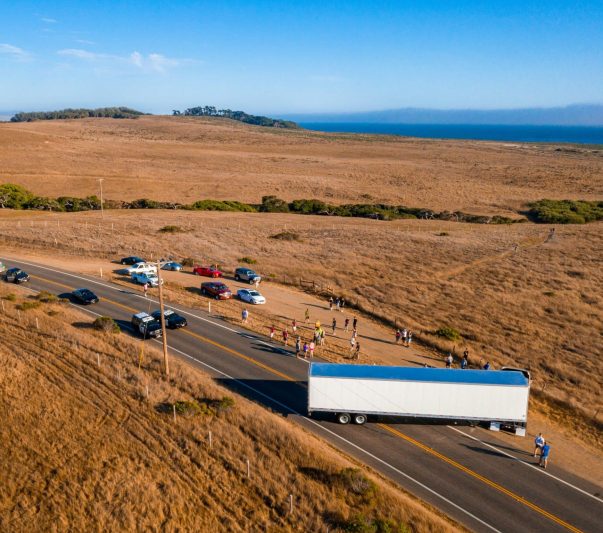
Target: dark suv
16, 275
246, 274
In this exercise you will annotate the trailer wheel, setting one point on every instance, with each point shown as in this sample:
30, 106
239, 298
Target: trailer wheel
343, 418
359, 419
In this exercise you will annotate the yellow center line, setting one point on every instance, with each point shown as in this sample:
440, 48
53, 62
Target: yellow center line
386, 427
487, 481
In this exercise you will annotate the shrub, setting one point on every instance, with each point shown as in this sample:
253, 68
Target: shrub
221, 205
188, 261
443, 234
47, 297
361, 524
286, 236
566, 211
272, 204
106, 324
187, 407
226, 403
26, 306
14, 196
308, 207
171, 229
354, 481
11, 297
247, 260
448, 333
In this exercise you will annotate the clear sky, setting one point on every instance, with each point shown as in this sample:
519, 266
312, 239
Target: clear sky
284, 56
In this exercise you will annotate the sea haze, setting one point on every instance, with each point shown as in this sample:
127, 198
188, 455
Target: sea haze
481, 132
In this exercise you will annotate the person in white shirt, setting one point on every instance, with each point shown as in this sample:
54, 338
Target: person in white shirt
538, 444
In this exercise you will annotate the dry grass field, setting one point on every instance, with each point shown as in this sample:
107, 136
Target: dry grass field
85, 448
536, 305
182, 159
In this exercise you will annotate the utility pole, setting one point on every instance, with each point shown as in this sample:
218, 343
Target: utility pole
163, 329
100, 181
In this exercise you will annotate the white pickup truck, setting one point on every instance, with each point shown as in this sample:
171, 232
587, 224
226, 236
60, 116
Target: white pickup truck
149, 278
142, 268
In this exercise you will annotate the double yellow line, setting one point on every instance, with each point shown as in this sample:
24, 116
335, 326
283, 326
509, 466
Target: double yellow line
385, 427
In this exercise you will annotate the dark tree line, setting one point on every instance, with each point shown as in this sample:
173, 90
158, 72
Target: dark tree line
241, 116
106, 112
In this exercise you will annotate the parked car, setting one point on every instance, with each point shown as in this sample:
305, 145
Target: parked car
146, 325
16, 275
217, 289
85, 296
149, 278
172, 320
131, 260
208, 271
172, 265
140, 268
251, 296
246, 274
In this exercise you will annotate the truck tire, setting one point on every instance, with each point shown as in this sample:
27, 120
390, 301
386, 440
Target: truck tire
344, 418
360, 419
203, 292
237, 277
251, 282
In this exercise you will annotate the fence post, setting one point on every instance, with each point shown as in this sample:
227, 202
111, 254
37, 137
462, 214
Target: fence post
290, 503
248, 470
98, 360
174, 409
37, 323
210, 439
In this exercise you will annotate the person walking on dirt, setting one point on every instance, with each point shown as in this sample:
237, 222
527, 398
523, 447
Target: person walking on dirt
539, 443
352, 344
354, 333
544, 455
312, 348
298, 346
346, 324
145, 288
404, 336
294, 325
465, 361
272, 332
354, 323
342, 304
244, 315
334, 325
449, 360
285, 336
330, 303
357, 351
398, 335
307, 315
305, 349
408, 339
337, 304
487, 365
321, 337
257, 283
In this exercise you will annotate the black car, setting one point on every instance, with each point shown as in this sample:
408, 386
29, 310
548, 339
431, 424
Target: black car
172, 320
85, 296
132, 260
16, 275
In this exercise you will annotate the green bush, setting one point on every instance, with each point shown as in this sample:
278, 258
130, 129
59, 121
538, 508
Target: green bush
221, 205
448, 333
11, 297
286, 236
171, 229
47, 297
247, 260
362, 524
272, 204
354, 481
188, 261
26, 306
309, 207
106, 324
187, 407
566, 211
14, 196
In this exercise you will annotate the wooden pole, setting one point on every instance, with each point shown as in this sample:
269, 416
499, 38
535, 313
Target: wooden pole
166, 364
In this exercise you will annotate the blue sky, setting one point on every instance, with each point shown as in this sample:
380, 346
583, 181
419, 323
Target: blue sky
307, 56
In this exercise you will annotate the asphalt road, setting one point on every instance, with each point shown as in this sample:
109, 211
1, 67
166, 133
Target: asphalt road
466, 472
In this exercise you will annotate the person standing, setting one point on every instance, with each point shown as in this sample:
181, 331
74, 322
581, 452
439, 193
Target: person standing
145, 288
354, 333
334, 325
337, 304
346, 324
354, 323
285, 336
330, 303
312, 348
294, 325
539, 442
408, 338
398, 335
544, 455
341, 304
465, 361
449, 360
272, 332
404, 336
357, 351
321, 338
307, 315
298, 346
352, 344
257, 283
487, 365
305, 349
245, 315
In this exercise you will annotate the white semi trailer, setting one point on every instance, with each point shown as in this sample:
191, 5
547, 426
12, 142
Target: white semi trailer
355, 392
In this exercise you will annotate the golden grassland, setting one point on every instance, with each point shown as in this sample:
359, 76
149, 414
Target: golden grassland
85, 448
516, 299
182, 159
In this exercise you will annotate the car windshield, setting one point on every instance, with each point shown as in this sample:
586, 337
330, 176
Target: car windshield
86, 292
254, 293
168, 312
221, 287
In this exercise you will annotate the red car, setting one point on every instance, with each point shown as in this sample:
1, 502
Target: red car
208, 271
216, 289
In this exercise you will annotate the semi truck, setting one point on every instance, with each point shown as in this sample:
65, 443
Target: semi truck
353, 393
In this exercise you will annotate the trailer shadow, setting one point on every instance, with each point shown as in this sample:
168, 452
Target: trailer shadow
283, 397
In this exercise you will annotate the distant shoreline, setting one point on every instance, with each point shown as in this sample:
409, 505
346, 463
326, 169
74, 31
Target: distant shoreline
477, 132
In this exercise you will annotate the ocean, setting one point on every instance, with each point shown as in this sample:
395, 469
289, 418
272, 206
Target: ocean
479, 132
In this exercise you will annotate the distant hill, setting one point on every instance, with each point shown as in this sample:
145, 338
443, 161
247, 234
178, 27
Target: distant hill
241, 116
572, 115
106, 112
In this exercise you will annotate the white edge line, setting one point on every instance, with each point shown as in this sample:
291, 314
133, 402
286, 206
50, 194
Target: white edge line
542, 471
313, 422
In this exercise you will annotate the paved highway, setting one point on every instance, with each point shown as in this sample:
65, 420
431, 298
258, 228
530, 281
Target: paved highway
466, 472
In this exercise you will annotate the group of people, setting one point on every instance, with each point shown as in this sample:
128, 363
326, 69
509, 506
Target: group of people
404, 335
338, 303
542, 448
449, 361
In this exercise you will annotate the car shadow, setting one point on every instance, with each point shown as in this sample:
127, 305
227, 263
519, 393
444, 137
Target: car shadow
281, 396
83, 325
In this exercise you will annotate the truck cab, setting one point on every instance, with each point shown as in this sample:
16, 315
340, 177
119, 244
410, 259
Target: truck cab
146, 325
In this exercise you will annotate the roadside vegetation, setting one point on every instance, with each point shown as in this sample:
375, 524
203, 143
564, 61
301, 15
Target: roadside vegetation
90, 440
566, 211
241, 116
